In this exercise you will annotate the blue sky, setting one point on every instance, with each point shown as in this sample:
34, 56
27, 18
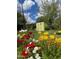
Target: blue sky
32, 11
31, 8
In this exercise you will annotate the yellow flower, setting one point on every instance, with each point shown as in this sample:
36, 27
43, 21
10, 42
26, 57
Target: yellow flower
45, 33
40, 38
58, 40
21, 36
45, 37
52, 36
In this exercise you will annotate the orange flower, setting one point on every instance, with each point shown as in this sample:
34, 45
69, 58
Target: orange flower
40, 38
45, 37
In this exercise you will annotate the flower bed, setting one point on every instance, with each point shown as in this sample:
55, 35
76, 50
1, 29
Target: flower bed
38, 45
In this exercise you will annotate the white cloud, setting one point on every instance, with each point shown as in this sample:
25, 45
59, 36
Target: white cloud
28, 4
38, 15
19, 6
28, 18
39, 2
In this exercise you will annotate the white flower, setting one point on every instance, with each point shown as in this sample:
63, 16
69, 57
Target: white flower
30, 57
30, 42
36, 48
34, 51
27, 49
25, 30
22, 30
35, 40
37, 55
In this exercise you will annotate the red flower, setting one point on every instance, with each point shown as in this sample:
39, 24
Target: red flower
20, 41
30, 32
30, 45
26, 36
24, 53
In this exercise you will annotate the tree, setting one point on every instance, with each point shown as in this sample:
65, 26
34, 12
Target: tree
49, 10
50, 13
57, 23
21, 22
42, 19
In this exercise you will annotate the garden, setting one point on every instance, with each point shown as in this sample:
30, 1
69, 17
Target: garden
39, 45
39, 29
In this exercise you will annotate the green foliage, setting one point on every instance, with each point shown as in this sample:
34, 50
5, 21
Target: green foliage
50, 16
51, 52
20, 19
31, 26
57, 24
21, 22
46, 52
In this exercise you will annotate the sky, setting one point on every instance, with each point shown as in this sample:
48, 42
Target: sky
31, 9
